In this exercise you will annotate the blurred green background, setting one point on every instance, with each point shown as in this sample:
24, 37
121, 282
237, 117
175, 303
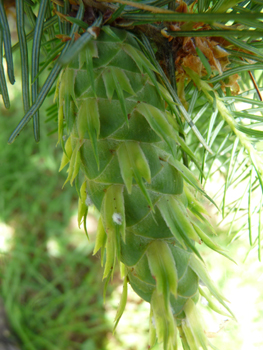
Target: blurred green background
52, 285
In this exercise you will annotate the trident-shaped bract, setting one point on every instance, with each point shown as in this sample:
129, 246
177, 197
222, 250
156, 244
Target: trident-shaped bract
128, 147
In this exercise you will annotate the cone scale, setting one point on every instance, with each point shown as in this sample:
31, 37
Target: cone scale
122, 146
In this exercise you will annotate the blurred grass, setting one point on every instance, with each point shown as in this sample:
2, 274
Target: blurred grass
29, 178
53, 302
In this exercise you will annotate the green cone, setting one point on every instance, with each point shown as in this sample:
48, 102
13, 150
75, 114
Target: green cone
113, 113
